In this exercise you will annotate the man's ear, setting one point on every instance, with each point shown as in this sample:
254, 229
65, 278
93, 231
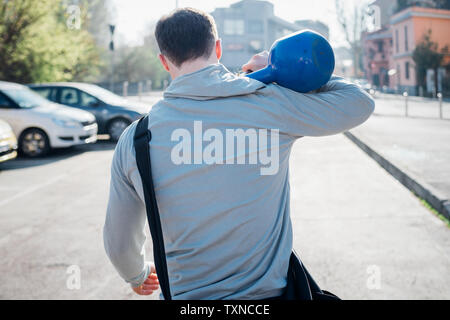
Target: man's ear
219, 49
164, 62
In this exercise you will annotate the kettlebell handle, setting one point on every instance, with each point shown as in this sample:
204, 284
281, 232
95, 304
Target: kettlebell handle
264, 75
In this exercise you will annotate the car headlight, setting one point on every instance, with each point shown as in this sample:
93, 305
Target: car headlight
67, 123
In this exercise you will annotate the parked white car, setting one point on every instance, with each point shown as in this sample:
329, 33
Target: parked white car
40, 125
8, 142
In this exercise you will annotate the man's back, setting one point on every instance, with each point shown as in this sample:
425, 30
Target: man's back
220, 155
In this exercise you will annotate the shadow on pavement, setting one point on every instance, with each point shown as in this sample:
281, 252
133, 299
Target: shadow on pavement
57, 155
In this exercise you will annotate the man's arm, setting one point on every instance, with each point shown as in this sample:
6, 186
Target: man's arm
337, 107
123, 233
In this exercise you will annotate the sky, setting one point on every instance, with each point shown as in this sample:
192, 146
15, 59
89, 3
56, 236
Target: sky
132, 17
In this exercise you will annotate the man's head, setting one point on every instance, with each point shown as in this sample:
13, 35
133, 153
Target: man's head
187, 37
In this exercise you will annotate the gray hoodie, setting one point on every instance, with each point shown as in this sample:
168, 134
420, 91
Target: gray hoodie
223, 196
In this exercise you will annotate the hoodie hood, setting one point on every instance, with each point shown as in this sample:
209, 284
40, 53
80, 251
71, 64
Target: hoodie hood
214, 81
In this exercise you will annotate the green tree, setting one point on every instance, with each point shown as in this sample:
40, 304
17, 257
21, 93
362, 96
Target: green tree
428, 56
442, 4
137, 63
42, 41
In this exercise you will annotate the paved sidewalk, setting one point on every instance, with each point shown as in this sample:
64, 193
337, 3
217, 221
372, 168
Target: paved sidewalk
353, 220
417, 146
394, 105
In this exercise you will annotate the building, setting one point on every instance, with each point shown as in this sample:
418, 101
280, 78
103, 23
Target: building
377, 56
388, 51
377, 45
249, 27
382, 12
408, 28
316, 26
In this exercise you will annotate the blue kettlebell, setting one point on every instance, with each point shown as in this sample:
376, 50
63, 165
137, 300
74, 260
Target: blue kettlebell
303, 61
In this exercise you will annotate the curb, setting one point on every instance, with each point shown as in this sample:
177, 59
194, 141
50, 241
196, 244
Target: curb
409, 180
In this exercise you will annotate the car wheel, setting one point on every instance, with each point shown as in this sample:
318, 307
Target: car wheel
34, 143
116, 128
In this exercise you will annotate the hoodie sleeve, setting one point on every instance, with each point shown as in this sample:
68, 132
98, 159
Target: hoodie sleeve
123, 233
337, 107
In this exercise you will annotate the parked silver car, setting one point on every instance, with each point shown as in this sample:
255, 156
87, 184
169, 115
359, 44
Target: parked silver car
112, 112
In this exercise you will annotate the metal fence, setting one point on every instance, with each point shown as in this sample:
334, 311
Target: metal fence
125, 88
412, 106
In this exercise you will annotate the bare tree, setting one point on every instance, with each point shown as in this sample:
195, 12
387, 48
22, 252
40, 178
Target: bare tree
353, 16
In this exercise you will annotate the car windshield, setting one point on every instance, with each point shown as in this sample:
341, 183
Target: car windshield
25, 97
104, 95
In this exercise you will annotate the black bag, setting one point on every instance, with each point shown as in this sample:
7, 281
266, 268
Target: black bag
300, 284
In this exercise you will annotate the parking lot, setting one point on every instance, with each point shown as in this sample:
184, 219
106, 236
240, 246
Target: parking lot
52, 213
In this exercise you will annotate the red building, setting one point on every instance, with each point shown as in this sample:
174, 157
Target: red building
388, 52
377, 56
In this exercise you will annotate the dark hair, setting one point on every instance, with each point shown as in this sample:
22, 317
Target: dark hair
186, 34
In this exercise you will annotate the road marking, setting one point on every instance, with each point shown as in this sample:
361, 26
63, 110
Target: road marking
33, 189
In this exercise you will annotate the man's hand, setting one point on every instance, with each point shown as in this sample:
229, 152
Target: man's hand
258, 62
150, 285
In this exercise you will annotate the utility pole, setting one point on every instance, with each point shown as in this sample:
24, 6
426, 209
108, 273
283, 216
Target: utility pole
112, 29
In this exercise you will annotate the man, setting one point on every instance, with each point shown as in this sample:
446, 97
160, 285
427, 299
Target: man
220, 155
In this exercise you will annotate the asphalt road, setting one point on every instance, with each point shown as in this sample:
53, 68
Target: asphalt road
51, 218
359, 231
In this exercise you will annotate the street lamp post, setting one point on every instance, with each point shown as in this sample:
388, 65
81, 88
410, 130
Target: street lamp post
112, 29
441, 112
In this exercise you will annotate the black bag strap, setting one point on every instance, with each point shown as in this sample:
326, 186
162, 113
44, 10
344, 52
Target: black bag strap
142, 138
301, 285
298, 286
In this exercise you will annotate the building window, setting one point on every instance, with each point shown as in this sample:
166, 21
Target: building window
371, 54
234, 27
399, 74
396, 41
406, 39
255, 26
407, 70
380, 46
